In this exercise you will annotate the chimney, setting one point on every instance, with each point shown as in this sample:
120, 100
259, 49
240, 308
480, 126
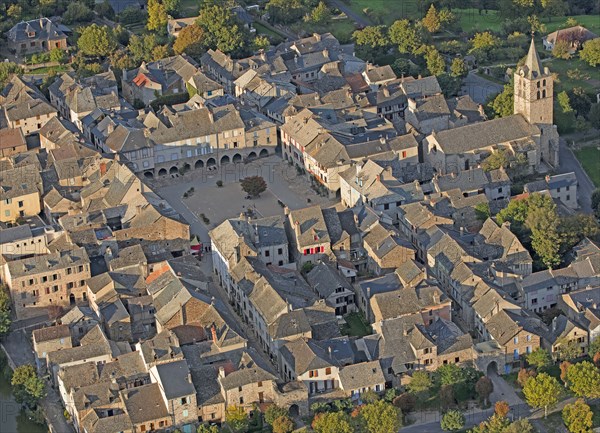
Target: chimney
211, 117
330, 351
213, 331
547, 178
554, 325
297, 229
256, 236
386, 91
436, 298
286, 211
263, 56
462, 232
110, 128
221, 372
102, 168
317, 37
378, 178
325, 52
369, 292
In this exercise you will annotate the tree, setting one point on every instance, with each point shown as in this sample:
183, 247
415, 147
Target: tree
160, 52
285, 11
332, 422
501, 408
539, 359
435, 61
371, 36
503, 104
260, 42
542, 391
542, 220
96, 41
568, 349
189, 41
5, 319
236, 417
420, 382
283, 424
524, 375
320, 14
140, 47
458, 68
254, 185
452, 420
221, 29
405, 402
484, 388
431, 21
449, 374
591, 52
172, 6
564, 102
595, 345
498, 159
561, 50
105, 10
273, 412
584, 379
157, 16
482, 211
28, 388
77, 12
14, 11
369, 397
447, 398
578, 417
564, 369
205, 428
484, 41
554, 8
403, 34
596, 359
58, 55
381, 417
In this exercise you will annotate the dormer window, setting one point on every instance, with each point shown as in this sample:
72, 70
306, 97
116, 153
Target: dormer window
31, 34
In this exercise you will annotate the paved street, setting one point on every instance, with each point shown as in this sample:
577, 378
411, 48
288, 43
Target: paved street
569, 163
478, 88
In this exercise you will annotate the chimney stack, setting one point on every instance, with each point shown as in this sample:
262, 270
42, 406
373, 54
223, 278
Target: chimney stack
297, 229
221, 372
213, 331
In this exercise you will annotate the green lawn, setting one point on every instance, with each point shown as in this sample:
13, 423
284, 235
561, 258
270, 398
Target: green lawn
48, 69
590, 22
189, 8
472, 21
589, 157
574, 73
263, 30
356, 325
387, 11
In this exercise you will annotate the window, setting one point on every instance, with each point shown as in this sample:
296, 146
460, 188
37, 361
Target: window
184, 400
185, 413
516, 340
259, 384
279, 251
328, 370
241, 400
267, 253
516, 354
20, 203
143, 427
528, 337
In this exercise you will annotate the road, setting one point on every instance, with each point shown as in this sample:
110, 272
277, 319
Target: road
569, 163
478, 88
359, 19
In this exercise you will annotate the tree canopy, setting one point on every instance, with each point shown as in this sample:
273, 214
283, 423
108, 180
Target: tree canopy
578, 417
584, 379
332, 422
381, 417
452, 420
539, 358
28, 388
221, 29
5, 306
96, 41
157, 16
542, 390
190, 41
591, 52
254, 185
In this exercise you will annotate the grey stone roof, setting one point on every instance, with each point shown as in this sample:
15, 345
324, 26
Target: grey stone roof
419, 88
19, 182
304, 354
145, 403
246, 376
51, 333
48, 262
92, 345
484, 134
17, 233
362, 375
506, 324
326, 279
166, 71
448, 337
381, 73
290, 324
43, 29
160, 348
533, 67
311, 226
22, 100
406, 301
175, 379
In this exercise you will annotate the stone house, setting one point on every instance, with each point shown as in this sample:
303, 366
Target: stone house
561, 187
310, 236
25, 107
574, 37
332, 286
12, 142
359, 378
247, 386
177, 390
36, 35
564, 331
303, 360
429, 301
56, 279
50, 339
386, 249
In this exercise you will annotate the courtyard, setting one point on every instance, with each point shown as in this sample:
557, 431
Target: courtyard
208, 205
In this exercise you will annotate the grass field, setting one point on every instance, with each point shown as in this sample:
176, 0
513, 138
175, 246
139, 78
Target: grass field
189, 8
356, 326
590, 22
387, 11
574, 73
263, 30
589, 157
472, 21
